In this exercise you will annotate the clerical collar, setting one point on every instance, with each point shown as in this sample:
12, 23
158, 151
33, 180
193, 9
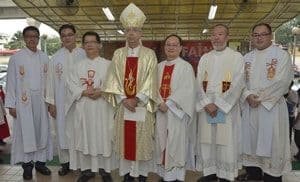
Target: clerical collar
172, 61
67, 50
30, 51
133, 52
221, 52
264, 50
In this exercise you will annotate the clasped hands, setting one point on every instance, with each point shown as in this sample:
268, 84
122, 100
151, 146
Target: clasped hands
253, 100
130, 103
211, 109
93, 93
163, 107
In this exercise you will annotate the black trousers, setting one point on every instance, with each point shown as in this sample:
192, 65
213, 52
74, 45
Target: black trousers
257, 172
291, 123
297, 141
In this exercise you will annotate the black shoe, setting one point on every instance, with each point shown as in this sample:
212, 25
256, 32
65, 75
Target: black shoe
106, 177
162, 180
41, 168
297, 157
65, 169
128, 178
27, 170
208, 178
2, 143
247, 177
85, 176
223, 180
142, 178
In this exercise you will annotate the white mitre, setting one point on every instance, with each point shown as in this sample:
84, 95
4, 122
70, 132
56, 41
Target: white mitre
132, 16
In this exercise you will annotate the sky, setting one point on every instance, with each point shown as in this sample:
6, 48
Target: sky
11, 26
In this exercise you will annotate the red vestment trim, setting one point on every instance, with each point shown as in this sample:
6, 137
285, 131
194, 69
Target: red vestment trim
165, 92
130, 92
165, 88
4, 129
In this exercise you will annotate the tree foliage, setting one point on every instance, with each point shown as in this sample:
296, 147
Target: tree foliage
283, 35
16, 42
52, 45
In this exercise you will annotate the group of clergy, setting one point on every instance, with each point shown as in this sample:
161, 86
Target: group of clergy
138, 116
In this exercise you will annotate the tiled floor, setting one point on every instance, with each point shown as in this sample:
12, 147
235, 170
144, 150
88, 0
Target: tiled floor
14, 174
10, 173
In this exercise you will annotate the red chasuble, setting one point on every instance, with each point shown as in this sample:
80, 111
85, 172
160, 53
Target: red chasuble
165, 91
4, 130
130, 92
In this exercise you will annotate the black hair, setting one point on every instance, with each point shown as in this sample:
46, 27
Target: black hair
263, 24
222, 25
30, 28
174, 35
66, 26
91, 33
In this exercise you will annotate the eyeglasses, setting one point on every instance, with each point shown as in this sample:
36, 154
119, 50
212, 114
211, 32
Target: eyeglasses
67, 35
31, 37
90, 42
172, 45
257, 35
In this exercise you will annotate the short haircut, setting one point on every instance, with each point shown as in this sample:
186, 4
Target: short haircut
66, 26
174, 35
30, 28
263, 24
91, 33
222, 25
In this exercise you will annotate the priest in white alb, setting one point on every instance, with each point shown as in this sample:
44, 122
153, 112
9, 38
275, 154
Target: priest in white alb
90, 132
221, 81
176, 112
60, 66
25, 91
265, 122
131, 83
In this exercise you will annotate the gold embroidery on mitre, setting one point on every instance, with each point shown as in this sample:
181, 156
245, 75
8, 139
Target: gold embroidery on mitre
132, 16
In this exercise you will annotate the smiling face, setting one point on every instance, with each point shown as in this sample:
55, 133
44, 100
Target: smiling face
133, 36
172, 48
261, 37
91, 46
219, 38
31, 39
68, 38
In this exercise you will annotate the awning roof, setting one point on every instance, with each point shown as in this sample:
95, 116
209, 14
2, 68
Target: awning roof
186, 18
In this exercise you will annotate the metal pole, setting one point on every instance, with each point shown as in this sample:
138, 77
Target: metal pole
294, 49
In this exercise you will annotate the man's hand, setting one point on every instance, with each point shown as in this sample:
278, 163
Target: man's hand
163, 107
211, 109
130, 103
13, 112
253, 100
95, 93
52, 110
85, 93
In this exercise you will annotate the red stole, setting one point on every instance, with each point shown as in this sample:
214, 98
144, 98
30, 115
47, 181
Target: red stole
4, 130
165, 92
165, 89
130, 92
